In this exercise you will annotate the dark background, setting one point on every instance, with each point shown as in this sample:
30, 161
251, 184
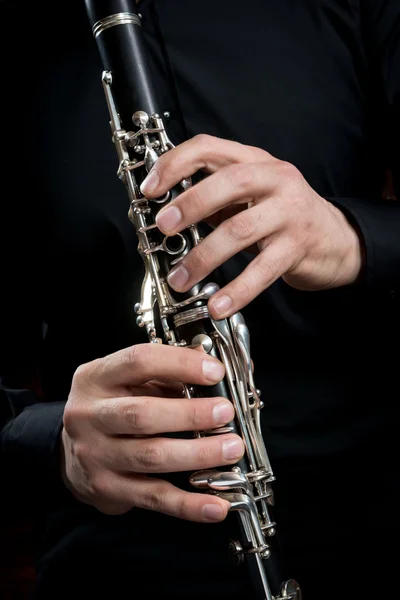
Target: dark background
16, 530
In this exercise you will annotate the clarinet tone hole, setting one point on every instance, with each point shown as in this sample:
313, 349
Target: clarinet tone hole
161, 199
174, 244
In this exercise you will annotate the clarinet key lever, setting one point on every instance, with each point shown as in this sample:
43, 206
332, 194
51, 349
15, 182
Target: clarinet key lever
140, 137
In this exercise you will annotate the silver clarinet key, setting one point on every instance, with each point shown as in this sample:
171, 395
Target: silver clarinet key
140, 137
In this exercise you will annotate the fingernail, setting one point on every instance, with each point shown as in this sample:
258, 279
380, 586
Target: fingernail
213, 370
169, 218
232, 449
178, 277
223, 413
212, 512
222, 304
150, 184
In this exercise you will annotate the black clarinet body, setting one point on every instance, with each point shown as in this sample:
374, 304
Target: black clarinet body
140, 136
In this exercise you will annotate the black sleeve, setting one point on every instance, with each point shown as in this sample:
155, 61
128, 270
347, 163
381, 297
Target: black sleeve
29, 449
29, 427
378, 220
378, 223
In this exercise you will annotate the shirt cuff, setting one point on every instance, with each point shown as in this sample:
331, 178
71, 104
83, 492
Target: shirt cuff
378, 223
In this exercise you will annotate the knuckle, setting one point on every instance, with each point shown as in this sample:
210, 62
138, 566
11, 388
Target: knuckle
266, 267
137, 416
194, 202
257, 154
100, 485
203, 140
201, 257
242, 176
207, 454
74, 413
69, 416
138, 356
81, 372
86, 374
133, 354
243, 288
152, 455
156, 498
287, 171
100, 413
239, 228
81, 454
189, 361
198, 416
183, 508
287, 167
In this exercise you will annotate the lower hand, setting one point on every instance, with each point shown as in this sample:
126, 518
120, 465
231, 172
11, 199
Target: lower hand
256, 201
117, 411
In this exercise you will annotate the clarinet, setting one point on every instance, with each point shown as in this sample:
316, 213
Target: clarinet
140, 137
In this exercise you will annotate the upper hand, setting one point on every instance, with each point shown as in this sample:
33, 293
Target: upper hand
119, 408
258, 200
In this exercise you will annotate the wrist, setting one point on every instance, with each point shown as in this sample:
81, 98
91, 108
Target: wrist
69, 469
352, 259
64, 467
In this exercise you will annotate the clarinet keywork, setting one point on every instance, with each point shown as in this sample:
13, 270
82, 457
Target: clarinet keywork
140, 136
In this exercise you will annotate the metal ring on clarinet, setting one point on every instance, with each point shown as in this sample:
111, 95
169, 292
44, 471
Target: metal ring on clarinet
140, 137
113, 20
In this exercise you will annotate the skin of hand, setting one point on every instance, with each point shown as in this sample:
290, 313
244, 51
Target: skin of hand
113, 444
254, 202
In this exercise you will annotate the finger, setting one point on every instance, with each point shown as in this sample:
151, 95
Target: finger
232, 236
161, 389
274, 261
147, 416
143, 362
225, 214
202, 152
150, 493
230, 184
169, 455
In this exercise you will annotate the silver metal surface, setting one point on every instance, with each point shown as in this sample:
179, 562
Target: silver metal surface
202, 341
189, 316
113, 20
249, 491
291, 590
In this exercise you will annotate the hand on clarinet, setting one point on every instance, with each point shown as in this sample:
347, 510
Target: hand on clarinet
117, 411
254, 202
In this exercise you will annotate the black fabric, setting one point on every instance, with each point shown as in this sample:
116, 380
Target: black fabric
313, 82
380, 232
29, 452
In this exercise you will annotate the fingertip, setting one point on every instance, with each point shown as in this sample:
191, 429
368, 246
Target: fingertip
233, 448
150, 184
226, 506
169, 220
213, 370
221, 307
178, 278
223, 412
216, 512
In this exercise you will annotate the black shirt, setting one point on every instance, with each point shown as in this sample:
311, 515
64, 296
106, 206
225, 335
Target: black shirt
315, 83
